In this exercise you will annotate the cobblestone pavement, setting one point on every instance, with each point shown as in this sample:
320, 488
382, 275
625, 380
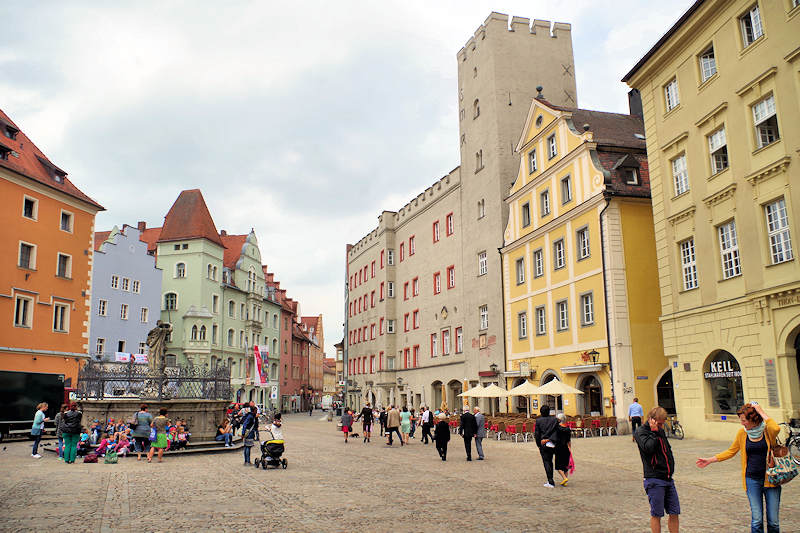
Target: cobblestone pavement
332, 486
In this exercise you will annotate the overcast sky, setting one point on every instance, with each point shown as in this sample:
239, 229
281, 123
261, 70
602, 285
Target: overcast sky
281, 113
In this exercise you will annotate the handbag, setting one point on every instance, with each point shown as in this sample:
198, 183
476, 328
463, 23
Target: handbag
781, 468
153, 434
111, 458
133, 422
90, 458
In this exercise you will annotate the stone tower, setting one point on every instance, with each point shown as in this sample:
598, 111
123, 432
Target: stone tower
499, 69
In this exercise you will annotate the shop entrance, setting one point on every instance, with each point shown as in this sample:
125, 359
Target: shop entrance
592, 396
520, 402
665, 394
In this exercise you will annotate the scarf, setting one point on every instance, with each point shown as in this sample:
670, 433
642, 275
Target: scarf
756, 432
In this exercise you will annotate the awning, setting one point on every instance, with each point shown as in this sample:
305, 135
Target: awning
580, 369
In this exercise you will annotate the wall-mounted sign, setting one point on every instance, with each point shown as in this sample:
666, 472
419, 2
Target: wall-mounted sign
772, 383
725, 368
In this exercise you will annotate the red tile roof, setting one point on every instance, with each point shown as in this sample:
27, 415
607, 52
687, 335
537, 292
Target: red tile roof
99, 238
32, 163
611, 129
188, 218
233, 249
150, 236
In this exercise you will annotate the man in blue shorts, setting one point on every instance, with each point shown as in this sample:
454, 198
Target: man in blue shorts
659, 467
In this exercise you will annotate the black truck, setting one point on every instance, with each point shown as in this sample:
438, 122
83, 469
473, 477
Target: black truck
20, 393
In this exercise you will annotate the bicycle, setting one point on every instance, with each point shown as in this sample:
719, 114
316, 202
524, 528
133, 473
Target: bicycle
793, 442
673, 428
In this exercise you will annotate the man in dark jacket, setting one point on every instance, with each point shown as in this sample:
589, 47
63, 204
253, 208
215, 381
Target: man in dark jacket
545, 437
658, 466
468, 429
441, 436
382, 420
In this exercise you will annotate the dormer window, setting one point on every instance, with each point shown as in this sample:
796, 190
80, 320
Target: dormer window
631, 176
4, 152
10, 131
628, 168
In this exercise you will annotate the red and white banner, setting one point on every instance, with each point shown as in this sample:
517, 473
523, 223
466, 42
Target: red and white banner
260, 377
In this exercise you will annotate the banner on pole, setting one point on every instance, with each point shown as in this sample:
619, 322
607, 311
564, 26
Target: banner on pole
260, 378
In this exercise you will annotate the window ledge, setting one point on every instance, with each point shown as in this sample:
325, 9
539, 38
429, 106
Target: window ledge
752, 45
30, 218
67, 278
672, 111
792, 260
708, 82
22, 326
730, 278
681, 195
584, 258
761, 149
684, 291
589, 324
27, 269
723, 171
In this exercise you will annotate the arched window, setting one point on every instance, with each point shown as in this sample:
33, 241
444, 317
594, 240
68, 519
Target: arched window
209, 271
170, 301
274, 351
213, 362
273, 372
478, 160
241, 312
231, 309
476, 109
230, 337
251, 281
241, 338
180, 270
202, 333
555, 402
724, 378
275, 321
214, 273
194, 333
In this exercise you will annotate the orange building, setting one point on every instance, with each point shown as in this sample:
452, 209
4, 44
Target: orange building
46, 248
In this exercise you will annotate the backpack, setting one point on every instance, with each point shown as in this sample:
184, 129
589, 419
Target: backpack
111, 458
90, 458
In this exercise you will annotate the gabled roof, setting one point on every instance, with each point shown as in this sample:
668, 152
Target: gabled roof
233, 249
99, 238
188, 218
26, 159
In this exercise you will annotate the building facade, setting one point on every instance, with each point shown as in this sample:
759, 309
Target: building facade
312, 327
45, 286
579, 263
126, 296
720, 97
424, 298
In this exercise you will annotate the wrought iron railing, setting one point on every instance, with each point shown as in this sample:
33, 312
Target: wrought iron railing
98, 380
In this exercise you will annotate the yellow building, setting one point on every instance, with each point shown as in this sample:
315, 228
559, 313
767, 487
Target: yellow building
580, 240
720, 99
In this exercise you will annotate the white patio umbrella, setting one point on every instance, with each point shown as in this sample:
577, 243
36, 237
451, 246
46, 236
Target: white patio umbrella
557, 388
527, 389
492, 391
473, 392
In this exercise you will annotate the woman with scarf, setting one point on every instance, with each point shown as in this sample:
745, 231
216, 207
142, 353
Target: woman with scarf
754, 440
249, 432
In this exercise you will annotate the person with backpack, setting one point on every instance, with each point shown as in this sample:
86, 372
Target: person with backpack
71, 431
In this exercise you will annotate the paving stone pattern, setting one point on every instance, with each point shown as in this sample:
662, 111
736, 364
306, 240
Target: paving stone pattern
332, 486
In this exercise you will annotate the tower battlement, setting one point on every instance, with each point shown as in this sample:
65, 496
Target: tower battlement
500, 23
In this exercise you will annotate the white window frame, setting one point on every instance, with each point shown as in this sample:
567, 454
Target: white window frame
562, 315
559, 254
753, 17
541, 320
544, 202
538, 263
27, 311
102, 307
35, 211
100, 346
525, 214
483, 313
459, 340
115, 281
483, 264
688, 264
123, 311
584, 245
445, 342
390, 289
708, 63
390, 325
136, 286
566, 189
434, 344
520, 270
780, 240
32, 261
552, 146
414, 287
671, 96
178, 272
587, 309
389, 256
164, 300
680, 175
729, 250
436, 234
450, 224
765, 121
532, 163
71, 221
522, 325
144, 315
126, 284
717, 150
68, 270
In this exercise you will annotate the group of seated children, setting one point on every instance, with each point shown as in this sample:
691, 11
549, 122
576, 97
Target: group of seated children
116, 437
177, 436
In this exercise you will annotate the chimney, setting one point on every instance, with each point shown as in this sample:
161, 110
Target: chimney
635, 103
141, 225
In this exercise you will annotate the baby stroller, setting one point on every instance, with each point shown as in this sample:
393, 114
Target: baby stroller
271, 451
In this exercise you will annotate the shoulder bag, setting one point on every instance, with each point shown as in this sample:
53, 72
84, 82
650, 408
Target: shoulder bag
133, 422
111, 458
781, 469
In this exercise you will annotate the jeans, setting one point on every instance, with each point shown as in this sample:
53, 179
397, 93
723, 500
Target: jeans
36, 439
479, 446
757, 493
227, 437
60, 447
547, 460
70, 446
413, 428
246, 454
394, 430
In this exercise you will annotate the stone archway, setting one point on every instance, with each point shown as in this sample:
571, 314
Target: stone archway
436, 395
555, 402
592, 399
665, 395
724, 387
519, 403
454, 401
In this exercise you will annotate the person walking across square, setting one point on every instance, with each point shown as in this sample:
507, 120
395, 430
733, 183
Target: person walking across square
441, 436
658, 466
393, 425
635, 414
427, 422
480, 421
468, 429
545, 437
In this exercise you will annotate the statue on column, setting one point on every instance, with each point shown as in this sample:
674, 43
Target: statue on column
157, 342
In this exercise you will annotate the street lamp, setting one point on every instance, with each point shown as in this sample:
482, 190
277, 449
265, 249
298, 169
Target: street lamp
493, 367
593, 354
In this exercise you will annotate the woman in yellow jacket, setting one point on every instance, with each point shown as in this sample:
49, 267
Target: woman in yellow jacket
754, 440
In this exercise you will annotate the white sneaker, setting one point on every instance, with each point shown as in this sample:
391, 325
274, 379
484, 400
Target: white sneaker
549, 486
36, 456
